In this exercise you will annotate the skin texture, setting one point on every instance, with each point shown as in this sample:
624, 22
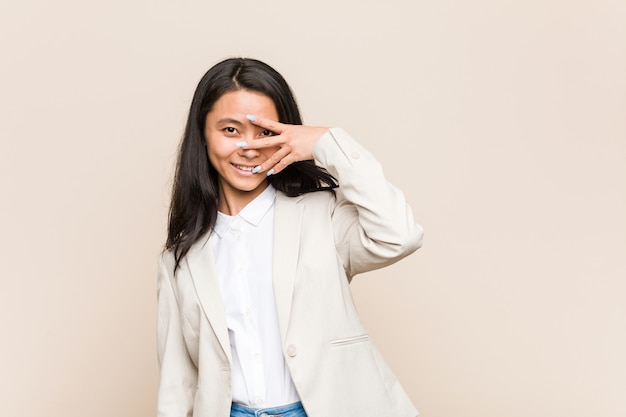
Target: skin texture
236, 145
226, 127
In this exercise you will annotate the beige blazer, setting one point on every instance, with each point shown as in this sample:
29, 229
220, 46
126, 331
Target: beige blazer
320, 243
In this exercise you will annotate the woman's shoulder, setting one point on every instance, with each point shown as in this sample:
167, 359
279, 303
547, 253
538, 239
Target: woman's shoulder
167, 260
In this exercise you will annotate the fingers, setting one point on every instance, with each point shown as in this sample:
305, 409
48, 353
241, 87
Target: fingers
278, 160
295, 143
269, 142
275, 163
272, 125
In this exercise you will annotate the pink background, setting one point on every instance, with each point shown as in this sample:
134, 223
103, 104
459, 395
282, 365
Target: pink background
503, 121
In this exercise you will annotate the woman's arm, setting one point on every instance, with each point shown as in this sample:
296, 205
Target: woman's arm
373, 223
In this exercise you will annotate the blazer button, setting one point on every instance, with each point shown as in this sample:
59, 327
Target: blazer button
292, 350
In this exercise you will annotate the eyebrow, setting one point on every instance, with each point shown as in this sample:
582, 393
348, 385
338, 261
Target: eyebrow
229, 120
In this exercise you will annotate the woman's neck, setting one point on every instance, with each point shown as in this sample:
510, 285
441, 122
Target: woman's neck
232, 201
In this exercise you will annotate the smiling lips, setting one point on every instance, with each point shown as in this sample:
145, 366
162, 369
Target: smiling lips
243, 168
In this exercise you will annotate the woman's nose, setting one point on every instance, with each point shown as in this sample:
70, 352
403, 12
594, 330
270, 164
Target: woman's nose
249, 153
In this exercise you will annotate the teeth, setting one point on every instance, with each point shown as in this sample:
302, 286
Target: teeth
241, 167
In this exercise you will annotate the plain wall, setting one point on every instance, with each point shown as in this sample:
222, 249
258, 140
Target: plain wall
503, 121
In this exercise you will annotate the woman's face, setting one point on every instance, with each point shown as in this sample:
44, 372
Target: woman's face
226, 125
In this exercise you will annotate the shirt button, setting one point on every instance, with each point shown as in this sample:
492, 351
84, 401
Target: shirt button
355, 155
292, 350
259, 401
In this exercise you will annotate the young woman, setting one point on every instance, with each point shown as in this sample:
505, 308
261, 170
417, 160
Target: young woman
269, 222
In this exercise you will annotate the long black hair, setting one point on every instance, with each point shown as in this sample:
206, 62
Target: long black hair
193, 210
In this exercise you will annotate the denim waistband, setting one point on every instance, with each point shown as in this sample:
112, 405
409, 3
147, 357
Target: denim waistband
289, 410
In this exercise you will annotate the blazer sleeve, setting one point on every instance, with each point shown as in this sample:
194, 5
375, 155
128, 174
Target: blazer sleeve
178, 373
372, 223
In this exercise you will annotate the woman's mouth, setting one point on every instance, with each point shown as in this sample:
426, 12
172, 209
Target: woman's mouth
243, 168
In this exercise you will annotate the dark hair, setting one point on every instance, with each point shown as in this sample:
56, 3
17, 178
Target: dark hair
193, 209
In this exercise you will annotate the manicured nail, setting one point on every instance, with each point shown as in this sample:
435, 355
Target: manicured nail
241, 144
256, 169
251, 118
270, 172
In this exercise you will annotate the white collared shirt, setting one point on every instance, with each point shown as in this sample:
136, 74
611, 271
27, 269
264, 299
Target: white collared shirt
243, 247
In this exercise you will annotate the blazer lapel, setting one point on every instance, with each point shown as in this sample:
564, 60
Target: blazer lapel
288, 217
201, 265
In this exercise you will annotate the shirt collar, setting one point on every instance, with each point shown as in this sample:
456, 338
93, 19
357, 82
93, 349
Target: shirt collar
252, 213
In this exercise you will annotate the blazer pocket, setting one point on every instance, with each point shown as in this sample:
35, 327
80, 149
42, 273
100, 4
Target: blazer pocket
350, 340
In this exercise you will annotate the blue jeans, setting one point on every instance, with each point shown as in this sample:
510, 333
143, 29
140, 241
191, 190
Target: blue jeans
290, 410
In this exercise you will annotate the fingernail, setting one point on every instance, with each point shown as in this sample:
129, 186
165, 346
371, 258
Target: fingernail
256, 169
270, 172
251, 118
241, 144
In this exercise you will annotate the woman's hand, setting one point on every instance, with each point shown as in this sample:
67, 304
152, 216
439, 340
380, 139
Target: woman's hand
296, 143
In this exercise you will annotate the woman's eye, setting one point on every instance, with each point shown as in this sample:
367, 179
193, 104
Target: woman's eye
267, 133
230, 130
